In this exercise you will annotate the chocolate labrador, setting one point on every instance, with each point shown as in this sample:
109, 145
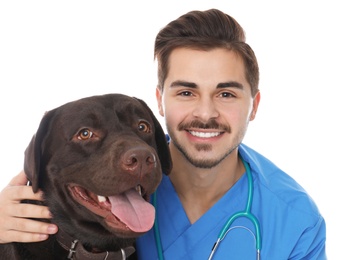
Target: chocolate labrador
97, 160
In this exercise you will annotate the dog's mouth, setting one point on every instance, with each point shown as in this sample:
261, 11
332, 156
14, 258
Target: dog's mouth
124, 212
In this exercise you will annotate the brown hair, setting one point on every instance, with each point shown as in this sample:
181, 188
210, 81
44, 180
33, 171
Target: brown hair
205, 30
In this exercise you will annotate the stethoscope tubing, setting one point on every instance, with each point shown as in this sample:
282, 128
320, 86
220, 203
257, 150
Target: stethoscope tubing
156, 229
245, 214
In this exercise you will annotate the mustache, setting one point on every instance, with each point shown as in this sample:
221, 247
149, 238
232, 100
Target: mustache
211, 124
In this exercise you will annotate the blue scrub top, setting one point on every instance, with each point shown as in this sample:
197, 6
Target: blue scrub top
291, 225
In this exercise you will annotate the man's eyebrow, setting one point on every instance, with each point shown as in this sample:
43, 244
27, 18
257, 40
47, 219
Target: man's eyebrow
181, 83
230, 84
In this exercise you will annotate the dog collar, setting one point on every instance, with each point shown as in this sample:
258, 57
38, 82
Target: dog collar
76, 250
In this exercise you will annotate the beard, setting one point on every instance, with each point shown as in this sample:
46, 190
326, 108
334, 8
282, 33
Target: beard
203, 162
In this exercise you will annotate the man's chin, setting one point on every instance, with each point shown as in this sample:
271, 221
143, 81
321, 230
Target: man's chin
203, 147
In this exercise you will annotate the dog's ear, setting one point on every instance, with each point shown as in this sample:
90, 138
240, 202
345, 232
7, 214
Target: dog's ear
161, 142
33, 153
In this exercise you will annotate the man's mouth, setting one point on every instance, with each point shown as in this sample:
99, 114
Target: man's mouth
204, 134
208, 130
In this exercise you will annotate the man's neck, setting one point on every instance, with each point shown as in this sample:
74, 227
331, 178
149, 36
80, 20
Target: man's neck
199, 189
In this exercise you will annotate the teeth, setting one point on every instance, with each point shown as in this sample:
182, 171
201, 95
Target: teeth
138, 189
101, 198
204, 135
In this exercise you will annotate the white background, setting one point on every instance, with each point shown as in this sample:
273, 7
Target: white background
52, 52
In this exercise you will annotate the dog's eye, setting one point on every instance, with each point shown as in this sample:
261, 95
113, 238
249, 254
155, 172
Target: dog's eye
85, 134
144, 127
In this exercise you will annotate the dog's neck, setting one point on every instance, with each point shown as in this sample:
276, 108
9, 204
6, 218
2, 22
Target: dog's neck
75, 250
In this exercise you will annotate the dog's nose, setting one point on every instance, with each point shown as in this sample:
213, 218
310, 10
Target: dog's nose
139, 160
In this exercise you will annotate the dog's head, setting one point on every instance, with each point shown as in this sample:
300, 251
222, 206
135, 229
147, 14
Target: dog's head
97, 160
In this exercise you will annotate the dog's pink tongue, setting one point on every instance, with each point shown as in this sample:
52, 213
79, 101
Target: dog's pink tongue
133, 210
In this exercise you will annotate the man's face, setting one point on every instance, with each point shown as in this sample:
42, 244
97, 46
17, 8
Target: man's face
207, 104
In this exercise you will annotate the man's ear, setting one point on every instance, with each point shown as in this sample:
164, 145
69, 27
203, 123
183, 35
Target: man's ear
159, 101
255, 103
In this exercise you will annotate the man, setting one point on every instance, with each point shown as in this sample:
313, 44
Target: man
208, 93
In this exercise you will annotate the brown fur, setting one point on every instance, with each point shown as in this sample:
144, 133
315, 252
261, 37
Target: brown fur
57, 158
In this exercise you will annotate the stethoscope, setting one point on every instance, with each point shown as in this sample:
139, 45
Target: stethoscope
241, 214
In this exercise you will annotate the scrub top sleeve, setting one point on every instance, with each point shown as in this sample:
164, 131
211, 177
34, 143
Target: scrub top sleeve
311, 244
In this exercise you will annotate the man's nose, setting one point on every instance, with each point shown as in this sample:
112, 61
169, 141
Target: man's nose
205, 109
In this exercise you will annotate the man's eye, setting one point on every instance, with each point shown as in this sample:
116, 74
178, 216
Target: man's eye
85, 134
144, 127
227, 95
185, 93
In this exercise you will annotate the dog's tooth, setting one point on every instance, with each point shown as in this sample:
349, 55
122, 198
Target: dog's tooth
101, 198
138, 189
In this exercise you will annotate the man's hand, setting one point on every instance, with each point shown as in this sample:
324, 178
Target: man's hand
14, 223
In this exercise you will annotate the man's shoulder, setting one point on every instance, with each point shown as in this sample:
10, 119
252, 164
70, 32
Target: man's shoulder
276, 184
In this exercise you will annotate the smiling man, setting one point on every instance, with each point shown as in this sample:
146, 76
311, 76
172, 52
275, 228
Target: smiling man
208, 93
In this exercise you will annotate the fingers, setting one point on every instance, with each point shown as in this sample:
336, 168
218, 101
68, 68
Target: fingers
15, 225
16, 189
19, 179
19, 193
16, 236
24, 210
26, 230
